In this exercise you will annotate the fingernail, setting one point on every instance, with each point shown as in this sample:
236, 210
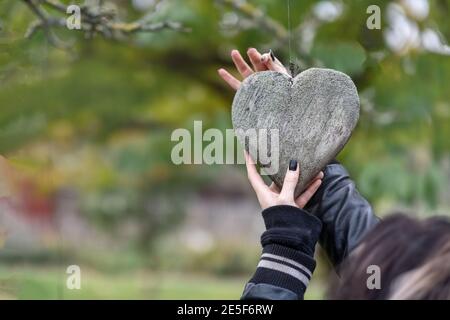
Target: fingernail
293, 165
271, 55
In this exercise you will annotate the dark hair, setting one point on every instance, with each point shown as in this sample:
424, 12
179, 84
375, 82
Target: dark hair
413, 257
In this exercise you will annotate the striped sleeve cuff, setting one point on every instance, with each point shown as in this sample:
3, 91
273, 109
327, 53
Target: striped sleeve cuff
284, 267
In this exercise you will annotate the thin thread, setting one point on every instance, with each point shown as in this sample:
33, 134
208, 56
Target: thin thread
289, 29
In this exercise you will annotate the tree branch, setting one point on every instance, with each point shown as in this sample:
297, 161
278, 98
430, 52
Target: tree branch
99, 19
45, 23
257, 15
270, 25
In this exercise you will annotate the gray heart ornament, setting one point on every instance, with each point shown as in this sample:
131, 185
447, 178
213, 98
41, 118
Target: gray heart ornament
308, 118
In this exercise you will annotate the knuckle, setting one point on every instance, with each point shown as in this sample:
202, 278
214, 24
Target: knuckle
290, 178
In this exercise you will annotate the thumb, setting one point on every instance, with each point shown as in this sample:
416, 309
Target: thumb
272, 63
290, 181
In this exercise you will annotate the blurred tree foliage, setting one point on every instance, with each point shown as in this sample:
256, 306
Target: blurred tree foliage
98, 116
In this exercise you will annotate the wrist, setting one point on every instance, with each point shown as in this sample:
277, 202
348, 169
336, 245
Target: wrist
291, 227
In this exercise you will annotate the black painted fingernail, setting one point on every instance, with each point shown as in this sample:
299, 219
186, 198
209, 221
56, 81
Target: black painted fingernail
293, 165
271, 55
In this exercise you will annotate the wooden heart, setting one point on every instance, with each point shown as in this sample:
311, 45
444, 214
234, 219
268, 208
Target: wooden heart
314, 115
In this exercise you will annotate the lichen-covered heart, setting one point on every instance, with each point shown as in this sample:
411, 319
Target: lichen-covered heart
311, 115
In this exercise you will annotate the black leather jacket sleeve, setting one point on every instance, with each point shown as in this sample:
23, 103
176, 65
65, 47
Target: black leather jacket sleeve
346, 216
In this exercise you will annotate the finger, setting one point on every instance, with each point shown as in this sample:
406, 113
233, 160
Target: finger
303, 199
253, 176
319, 176
273, 63
255, 59
232, 81
274, 188
290, 181
242, 66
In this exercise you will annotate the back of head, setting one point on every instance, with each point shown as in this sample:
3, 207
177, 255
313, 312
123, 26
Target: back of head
413, 258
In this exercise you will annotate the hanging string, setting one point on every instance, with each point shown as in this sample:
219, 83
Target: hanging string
289, 29
292, 66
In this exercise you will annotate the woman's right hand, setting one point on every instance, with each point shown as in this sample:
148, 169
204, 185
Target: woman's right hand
260, 62
273, 196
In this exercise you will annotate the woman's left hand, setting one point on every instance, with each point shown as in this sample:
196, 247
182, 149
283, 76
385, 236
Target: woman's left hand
260, 62
273, 196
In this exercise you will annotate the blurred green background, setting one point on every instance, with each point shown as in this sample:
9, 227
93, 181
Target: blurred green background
86, 174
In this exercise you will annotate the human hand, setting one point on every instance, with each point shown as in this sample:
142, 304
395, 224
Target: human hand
260, 62
273, 196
